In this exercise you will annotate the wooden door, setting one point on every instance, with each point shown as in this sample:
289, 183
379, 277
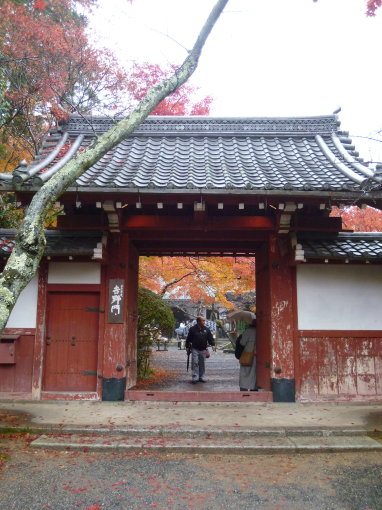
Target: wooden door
71, 342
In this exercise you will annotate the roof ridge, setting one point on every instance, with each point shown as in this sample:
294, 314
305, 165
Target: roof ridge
181, 125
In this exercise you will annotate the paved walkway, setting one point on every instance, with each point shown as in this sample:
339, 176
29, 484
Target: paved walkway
222, 371
243, 428
207, 416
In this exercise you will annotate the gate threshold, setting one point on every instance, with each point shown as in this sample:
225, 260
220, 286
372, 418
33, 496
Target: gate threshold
199, 396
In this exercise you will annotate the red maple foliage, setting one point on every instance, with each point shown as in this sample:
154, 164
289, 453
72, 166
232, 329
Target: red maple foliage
50, 69
372, 6
359, 220
145, 75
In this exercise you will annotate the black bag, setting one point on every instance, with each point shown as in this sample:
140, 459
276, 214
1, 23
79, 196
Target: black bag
238, 347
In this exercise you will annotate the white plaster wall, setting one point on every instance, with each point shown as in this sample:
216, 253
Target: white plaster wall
74, 272
24, 314
339, 297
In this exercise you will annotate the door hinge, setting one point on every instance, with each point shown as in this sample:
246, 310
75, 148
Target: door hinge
90, 372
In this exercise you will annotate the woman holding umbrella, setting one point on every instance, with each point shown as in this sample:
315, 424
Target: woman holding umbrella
247, 375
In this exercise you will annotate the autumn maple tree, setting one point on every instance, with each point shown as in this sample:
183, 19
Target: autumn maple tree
29, 248
372, 6
359, 220
206, 279
48, 70
142, 76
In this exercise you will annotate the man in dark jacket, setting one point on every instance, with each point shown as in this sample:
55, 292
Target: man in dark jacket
198, 339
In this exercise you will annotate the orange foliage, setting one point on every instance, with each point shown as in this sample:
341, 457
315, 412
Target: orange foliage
204, 278
359, 220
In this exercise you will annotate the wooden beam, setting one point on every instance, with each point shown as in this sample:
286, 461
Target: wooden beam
212, 223
323, 224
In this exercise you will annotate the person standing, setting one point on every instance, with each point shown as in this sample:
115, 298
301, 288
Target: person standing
247, 375
198, 339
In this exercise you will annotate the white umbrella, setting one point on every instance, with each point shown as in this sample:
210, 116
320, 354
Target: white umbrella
242, 315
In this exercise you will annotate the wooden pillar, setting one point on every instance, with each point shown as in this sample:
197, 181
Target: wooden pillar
276, 319
132, 316
115, 359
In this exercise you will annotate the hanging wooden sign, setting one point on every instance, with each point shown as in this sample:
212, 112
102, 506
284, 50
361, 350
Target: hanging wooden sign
116, 301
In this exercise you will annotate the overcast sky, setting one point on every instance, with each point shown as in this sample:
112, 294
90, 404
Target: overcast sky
264, 58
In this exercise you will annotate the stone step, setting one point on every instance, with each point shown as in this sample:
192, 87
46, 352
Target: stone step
215, 444
199, 396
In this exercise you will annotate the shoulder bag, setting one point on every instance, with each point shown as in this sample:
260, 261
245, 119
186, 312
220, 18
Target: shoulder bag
246, 358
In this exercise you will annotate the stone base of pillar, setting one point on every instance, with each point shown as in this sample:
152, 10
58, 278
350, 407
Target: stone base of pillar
113, 389
283, 390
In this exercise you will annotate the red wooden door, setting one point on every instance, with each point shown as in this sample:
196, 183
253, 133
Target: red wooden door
71, 342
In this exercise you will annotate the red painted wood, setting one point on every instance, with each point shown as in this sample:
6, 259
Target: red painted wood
101, 330
340, 368
19, 331
72, 287
71, 342
15, 395
7, 353
199, 396
213, 223
132, 317
115, 335
296, 342
263, 330
64, 395
378, 364
281, 276
339, 333
17, 377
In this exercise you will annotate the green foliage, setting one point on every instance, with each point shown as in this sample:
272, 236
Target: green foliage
155, 319
10, 215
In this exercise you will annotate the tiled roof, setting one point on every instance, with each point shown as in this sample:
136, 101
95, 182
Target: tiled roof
341, 246
296, 154
66, 243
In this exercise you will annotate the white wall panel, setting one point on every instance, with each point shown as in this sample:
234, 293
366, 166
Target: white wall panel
74, 272
339, 297
24, 313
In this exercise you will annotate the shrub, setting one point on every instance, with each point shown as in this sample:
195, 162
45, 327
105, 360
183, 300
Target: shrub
155, 319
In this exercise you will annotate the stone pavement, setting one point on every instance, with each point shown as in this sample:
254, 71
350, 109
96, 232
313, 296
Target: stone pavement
222, 371
243, 427
204, 427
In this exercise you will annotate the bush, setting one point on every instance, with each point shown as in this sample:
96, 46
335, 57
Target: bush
155, 319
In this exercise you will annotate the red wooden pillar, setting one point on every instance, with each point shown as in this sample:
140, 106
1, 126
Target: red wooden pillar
117, 362
132, 316
275, 319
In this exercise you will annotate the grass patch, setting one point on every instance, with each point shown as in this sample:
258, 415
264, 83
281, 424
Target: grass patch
376, 435
9, 431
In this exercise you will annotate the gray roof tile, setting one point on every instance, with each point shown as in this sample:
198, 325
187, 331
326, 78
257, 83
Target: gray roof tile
231, 153
341, 246
76, 243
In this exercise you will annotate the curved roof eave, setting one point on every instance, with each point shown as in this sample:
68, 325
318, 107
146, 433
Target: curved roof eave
188, 154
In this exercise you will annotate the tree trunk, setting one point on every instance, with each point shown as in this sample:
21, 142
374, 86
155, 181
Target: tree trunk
25, 258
